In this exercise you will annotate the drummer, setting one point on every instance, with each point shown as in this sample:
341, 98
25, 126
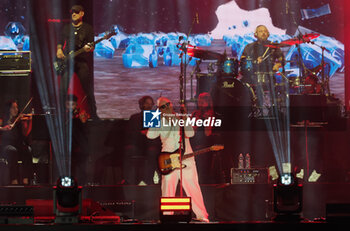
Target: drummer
264, 57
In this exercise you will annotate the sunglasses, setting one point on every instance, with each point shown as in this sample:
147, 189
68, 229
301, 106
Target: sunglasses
75, 11
164, 106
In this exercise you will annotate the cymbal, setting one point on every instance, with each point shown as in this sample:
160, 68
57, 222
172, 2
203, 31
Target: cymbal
204, 54
316, 68
276, 45
299, 40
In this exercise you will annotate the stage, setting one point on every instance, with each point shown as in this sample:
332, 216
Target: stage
244, 226
271, 73
226, 203
233, 217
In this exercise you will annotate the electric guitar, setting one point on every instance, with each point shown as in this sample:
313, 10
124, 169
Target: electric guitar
168, 162
61, 64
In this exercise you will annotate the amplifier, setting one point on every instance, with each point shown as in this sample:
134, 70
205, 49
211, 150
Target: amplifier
16, 214
15, 61
308, 107
249, 176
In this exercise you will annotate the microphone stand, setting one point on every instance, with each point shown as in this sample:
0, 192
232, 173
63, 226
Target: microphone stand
302, 68
195, 70
182, 78
325, 80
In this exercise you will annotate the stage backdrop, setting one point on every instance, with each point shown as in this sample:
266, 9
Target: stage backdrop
143, 58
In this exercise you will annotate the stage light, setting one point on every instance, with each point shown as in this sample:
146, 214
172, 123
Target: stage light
175, 209
286, 179
288, 198
66, 181
67, 200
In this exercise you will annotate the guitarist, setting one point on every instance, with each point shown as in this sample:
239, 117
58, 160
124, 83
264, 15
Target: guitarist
75, 36
170, 137
205, 137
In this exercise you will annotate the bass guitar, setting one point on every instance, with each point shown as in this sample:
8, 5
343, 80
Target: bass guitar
168, 162
61, 64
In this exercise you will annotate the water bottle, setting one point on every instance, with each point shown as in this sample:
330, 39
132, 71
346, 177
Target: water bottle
247, 161
155, 178
35, 179
240, 161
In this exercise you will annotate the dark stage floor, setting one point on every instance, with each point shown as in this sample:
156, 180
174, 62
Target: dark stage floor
231, 206
242, 226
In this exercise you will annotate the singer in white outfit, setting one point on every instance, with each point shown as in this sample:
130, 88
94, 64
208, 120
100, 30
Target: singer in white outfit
170, 137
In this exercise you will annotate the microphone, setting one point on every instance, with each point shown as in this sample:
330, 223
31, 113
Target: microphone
197, 18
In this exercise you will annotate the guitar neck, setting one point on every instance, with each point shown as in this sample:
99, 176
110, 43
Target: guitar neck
204, 150
81, 50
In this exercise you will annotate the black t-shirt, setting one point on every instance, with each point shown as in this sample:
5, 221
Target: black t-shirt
257, 49
12, 137
74, 38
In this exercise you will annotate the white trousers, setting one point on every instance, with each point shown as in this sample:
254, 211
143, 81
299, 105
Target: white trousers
190, 185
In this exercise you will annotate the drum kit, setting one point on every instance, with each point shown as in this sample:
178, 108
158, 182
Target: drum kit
237, 74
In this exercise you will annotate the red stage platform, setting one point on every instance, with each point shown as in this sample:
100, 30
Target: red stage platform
236, 203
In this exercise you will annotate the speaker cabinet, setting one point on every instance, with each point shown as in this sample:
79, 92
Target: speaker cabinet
308, 107
15, 87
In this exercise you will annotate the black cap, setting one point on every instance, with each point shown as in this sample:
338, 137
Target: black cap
76, 9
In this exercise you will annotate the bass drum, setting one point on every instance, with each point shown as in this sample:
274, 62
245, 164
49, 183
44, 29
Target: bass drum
232, 97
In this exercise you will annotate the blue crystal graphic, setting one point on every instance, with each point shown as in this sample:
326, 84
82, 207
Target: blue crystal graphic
314, 13
16, 31
312, 54
145, 39
143, 49
6, 43
115, 41
137, 55
202, 40
104, 49
124, 42
167, 57
245, 23
311, 57
153, 58
26, 44
334, 48
238, 43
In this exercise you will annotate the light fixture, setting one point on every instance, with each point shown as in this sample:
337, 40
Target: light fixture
288, 198
175, 209
66, 181
286, 179
67, 200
